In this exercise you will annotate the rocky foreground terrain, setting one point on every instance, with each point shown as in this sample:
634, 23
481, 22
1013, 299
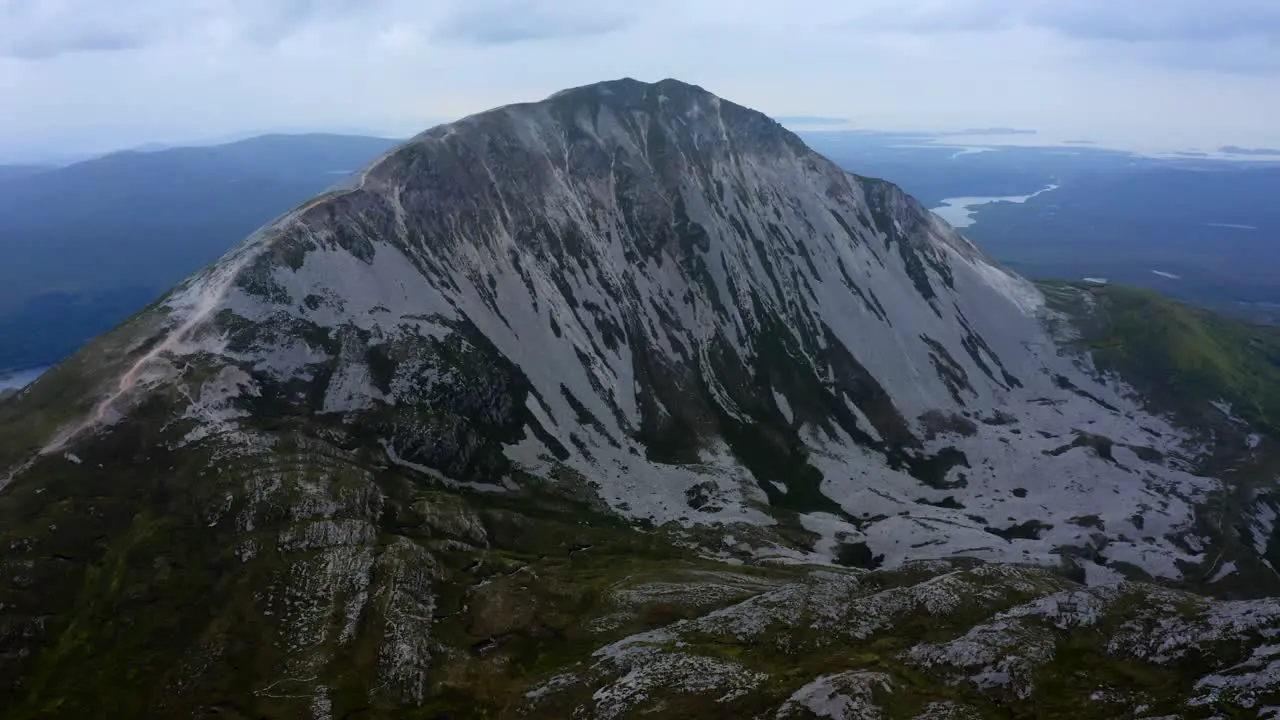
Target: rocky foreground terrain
627, 403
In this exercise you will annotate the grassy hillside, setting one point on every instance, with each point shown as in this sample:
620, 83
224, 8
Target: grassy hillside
1182, 358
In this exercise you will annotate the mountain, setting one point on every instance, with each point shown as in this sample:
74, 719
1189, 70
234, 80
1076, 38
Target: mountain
13, 171
87, 245
625, 402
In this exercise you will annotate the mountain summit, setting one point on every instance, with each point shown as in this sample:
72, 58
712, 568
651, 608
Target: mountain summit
555, 406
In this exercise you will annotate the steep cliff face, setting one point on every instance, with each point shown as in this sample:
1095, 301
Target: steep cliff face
437, 436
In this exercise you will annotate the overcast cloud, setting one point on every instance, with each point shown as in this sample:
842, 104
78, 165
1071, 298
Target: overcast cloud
89, 75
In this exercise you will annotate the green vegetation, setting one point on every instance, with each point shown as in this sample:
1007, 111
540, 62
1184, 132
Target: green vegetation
227, 585
1216, 377
880, 623
1181, 358
158, 606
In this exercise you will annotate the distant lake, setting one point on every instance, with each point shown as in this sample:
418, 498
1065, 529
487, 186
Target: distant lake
959, 211
20, 378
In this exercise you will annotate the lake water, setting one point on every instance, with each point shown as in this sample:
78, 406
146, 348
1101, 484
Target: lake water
20, 378
1231, 226
959, 211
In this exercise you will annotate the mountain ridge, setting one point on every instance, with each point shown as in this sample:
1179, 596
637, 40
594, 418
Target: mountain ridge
433, 436
252, 271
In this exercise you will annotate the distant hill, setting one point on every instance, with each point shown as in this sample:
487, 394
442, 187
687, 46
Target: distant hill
15, 171
84, 246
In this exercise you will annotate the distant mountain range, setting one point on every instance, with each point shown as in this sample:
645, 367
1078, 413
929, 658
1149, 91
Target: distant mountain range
1133, 219
85, 245
15, 171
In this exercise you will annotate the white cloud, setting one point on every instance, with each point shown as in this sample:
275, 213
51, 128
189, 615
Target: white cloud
498, 22
90, 75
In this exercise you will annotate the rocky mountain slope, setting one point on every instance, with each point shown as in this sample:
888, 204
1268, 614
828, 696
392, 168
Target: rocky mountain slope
627, 401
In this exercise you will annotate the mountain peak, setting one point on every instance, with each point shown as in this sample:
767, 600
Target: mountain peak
684, 111
629, 342
646, 279
628, 88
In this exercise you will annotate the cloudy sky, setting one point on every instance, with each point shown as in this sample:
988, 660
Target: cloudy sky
90, 75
